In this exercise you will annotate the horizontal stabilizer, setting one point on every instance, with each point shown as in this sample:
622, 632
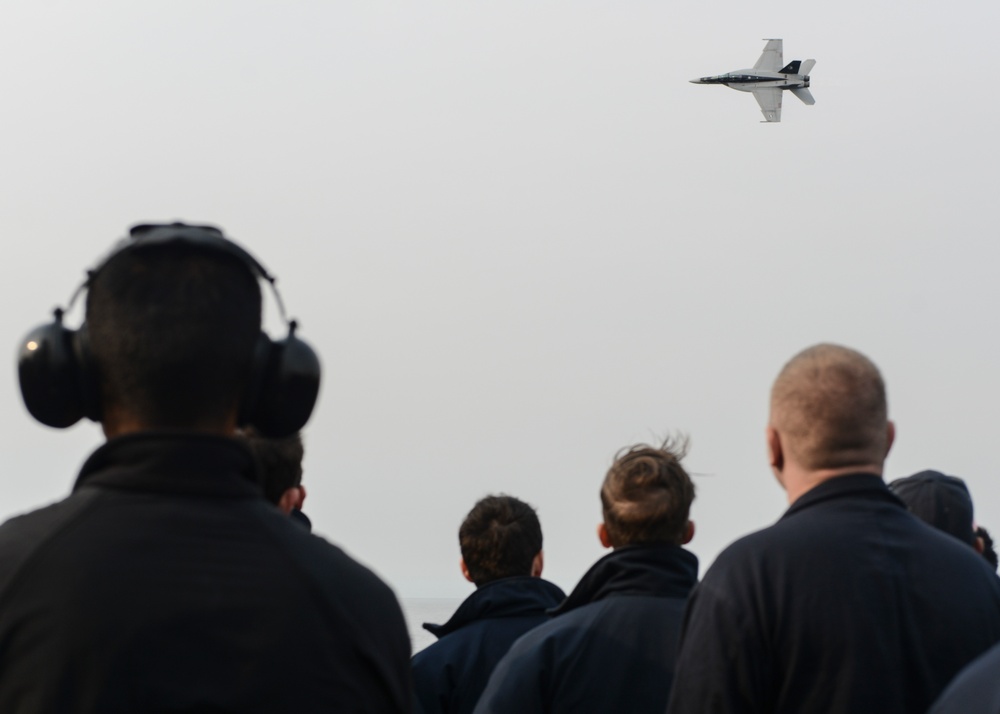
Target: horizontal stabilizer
807, 66
804, 94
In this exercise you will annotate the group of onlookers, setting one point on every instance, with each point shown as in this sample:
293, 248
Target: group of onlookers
180, 574
847, 604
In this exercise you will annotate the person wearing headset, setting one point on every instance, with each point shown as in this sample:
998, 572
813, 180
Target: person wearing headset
166, 581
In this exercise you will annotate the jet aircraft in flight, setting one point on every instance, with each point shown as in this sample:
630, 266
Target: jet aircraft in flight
767, 81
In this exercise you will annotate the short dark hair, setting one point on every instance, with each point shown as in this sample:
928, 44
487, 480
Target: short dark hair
279, 461
172, 330
939, 500
499, 539
647, 495
988, 551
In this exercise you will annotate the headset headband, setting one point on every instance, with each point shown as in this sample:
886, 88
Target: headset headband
145, 235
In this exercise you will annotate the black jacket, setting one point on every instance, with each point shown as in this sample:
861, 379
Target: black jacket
848, 604
610, 646
976, 690
166, 583
450, 675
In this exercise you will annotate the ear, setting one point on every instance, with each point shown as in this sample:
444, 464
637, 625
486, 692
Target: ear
979, 544
537, 565
602, 535
465, 570
291, 499
775, 451
890, 436
688, 533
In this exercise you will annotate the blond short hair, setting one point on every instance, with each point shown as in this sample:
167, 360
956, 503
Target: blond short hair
647, 495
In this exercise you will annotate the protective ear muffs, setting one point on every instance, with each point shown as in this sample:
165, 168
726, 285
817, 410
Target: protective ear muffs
48, 370
283, 385
60, 386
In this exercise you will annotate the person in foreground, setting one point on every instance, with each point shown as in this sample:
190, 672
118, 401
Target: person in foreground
165, 582
848, 604
611, 645
501, 544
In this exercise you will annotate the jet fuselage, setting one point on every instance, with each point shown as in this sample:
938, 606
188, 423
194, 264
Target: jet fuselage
747, 80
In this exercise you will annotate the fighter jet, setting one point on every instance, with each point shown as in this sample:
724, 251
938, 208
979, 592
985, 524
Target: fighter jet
766, 81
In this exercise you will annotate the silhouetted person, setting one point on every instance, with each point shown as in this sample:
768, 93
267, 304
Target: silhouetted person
165, 582
945, 503
848, 604
501, 544
939, 500
610, 646
988, 551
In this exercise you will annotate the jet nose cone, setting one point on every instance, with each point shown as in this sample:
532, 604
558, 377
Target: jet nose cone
696, 81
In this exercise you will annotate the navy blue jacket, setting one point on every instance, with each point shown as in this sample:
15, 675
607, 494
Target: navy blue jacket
847, 605
450, 675
610, 646
976, 690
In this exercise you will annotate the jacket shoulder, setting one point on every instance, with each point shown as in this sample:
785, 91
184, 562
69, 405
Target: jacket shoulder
327, 565
358, 606
24, 536
976, 690
745, 552
351, 593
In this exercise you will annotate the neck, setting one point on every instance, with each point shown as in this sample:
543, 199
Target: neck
119, 423
799, 482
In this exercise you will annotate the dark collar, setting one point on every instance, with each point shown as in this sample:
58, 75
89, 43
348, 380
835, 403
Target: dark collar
860, 485
653, 570
507, 597
178, 463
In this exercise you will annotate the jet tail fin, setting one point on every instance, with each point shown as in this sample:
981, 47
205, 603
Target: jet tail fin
791, 68
807, 66
804, 94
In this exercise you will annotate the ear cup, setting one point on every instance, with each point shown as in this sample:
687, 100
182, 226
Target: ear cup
60, 382
288, 388
50, 376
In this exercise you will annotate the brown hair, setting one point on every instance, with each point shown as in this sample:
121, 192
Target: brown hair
647, 495
829, 403
279, 460
499, 539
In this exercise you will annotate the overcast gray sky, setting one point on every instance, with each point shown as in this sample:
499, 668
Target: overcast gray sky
520, 239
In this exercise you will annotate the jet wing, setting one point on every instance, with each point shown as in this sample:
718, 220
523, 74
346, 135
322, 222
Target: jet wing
770, 60
769, 100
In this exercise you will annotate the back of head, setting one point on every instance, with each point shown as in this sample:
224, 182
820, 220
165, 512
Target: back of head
942, 501
499, 539
989, 552
829, 405
647, 495
280, 461
172, 330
